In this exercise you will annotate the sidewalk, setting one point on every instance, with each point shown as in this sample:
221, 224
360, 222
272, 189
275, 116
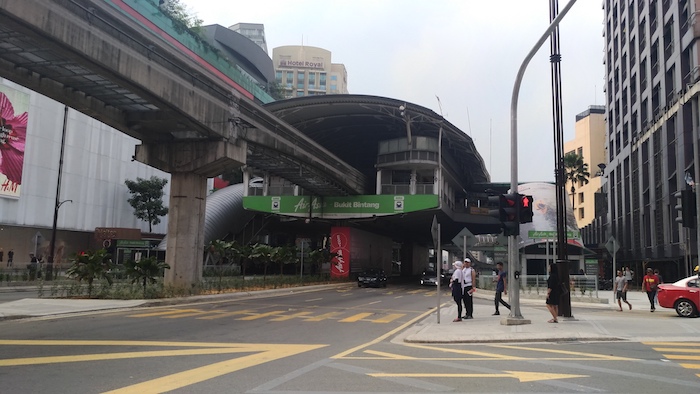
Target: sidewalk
590, 322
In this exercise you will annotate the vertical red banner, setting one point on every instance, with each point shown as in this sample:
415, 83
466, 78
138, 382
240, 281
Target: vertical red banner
340, 244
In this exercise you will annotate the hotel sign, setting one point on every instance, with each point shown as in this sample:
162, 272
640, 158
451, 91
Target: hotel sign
301, 64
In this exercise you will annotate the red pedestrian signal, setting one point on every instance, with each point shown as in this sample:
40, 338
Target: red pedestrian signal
526, 212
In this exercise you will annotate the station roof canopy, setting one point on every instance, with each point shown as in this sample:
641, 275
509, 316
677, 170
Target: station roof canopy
351, 127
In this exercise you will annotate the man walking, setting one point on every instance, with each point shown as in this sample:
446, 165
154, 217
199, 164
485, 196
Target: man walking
649, 284
620, 290
501, 288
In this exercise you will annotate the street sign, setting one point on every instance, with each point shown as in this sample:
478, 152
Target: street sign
434, 231
534, 234
612, 245
459, 239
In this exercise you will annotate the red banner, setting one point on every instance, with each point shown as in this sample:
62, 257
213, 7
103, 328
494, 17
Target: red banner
340, 244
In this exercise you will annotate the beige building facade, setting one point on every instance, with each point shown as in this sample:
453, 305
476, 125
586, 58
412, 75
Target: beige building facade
308, 71
589, 143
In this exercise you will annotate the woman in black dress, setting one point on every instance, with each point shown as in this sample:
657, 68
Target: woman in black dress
553, 293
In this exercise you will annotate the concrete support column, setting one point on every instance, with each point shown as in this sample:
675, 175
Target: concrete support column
185, 238
379, 182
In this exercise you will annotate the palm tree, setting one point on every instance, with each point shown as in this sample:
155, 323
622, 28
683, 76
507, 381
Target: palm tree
88, 266
146, 270
576, 171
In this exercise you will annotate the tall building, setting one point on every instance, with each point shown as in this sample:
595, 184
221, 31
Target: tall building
589, 143
253, 31
308, 71
652, 69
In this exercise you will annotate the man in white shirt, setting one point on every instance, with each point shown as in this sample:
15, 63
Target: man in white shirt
469, 287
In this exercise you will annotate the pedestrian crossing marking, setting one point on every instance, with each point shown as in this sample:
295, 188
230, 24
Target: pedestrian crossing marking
276, 315
292, 316
166, 313
680, 353
355, 318
261, 315
220, 315
323, 316
389, 318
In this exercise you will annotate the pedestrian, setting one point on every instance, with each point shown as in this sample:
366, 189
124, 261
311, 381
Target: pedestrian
10, 257
456, 286
628, 274
553, 293
650, 283
501, 288
620, 290
469, 288
661, 280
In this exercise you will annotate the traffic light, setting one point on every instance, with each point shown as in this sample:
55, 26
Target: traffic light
525, 209
507, 212
686, 206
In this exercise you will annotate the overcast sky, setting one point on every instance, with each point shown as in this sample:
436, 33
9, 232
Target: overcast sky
466, 52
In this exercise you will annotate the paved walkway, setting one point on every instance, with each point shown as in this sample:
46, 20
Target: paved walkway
591, 320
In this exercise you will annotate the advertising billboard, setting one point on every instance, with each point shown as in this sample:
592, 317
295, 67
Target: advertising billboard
14, 113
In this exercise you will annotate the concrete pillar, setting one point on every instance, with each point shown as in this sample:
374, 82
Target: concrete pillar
189, 164
185, 225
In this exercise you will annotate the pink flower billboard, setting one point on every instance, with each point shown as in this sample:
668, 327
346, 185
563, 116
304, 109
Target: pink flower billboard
13, 134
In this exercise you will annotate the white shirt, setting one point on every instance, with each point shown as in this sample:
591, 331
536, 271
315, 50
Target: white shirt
457, 277
467, 274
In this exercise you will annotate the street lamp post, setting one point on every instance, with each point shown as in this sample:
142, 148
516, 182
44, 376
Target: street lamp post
515, 317
57, 205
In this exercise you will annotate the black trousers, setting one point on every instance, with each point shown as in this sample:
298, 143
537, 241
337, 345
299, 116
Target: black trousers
468, 302
499, 300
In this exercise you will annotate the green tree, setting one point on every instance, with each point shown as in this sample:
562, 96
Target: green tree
276, 91
88, 266
576, 172
146, 270
183, 18
147, 199
284, 255
261, 254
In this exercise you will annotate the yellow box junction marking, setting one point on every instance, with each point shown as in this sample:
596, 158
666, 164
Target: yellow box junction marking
261, 353
389, 318
355, 318
220, 315
261, 315
522, 376
291, 316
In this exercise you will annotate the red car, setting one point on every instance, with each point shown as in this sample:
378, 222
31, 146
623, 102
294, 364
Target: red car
683, 296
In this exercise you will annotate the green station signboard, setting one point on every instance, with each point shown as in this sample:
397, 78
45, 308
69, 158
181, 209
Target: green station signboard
346, 207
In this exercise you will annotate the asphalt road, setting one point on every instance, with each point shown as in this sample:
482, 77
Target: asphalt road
338, 340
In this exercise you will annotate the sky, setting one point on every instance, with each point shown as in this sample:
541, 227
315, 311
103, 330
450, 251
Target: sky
466, 52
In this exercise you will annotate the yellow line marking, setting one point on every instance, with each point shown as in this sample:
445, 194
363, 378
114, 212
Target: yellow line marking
520, 375
681, 357
383, 337
475, 358
26, 342
189, 314
355, 318
196, 375
261, 315
593, 355
392, 356
690, 366
675, 350
323, 316
313, 299
684, 344
389, 318
113, 356
165, 313
220, 315
488, 355
290, 317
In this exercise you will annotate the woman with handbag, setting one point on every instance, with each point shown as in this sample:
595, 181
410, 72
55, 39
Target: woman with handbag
456, 285
553, 293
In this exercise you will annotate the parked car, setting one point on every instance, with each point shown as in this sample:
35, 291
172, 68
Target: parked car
683, 296
371, 277
429, 278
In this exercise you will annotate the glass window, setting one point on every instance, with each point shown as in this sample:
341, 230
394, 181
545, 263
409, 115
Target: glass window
322, 81
278, 76
312, 80
334, 77
300, 79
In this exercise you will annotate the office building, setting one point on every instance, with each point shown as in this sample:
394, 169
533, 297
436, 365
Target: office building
652, 69
308, 71
589, 143
253, 31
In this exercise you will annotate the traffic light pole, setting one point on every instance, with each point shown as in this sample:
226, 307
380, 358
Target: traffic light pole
515, 317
